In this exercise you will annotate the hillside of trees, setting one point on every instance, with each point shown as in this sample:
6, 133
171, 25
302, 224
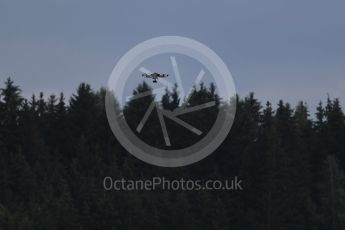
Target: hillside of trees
56, 151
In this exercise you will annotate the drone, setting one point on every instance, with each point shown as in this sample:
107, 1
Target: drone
155, 76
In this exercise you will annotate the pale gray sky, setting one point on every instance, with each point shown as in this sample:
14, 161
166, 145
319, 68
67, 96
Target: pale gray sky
292, 49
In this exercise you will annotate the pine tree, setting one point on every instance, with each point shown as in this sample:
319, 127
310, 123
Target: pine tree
83, 107
11, 104
335, 129
171, 100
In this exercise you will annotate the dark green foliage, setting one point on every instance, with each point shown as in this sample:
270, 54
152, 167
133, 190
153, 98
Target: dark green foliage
54, 156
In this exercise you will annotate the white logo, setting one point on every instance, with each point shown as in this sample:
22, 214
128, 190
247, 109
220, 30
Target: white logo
132, 61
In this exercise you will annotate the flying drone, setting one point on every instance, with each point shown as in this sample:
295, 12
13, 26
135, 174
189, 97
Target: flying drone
154, 76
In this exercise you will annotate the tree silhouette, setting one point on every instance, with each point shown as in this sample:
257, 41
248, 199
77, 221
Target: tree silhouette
55, 153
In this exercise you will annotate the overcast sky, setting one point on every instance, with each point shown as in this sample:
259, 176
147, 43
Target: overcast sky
291, 49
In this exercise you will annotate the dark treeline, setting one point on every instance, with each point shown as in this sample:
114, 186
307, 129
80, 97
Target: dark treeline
55, 153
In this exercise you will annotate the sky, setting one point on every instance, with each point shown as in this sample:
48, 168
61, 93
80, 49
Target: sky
292, 50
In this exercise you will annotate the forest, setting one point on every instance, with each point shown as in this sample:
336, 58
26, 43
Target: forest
56, 151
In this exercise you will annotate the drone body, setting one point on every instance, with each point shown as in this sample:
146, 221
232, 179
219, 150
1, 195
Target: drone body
155, 76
